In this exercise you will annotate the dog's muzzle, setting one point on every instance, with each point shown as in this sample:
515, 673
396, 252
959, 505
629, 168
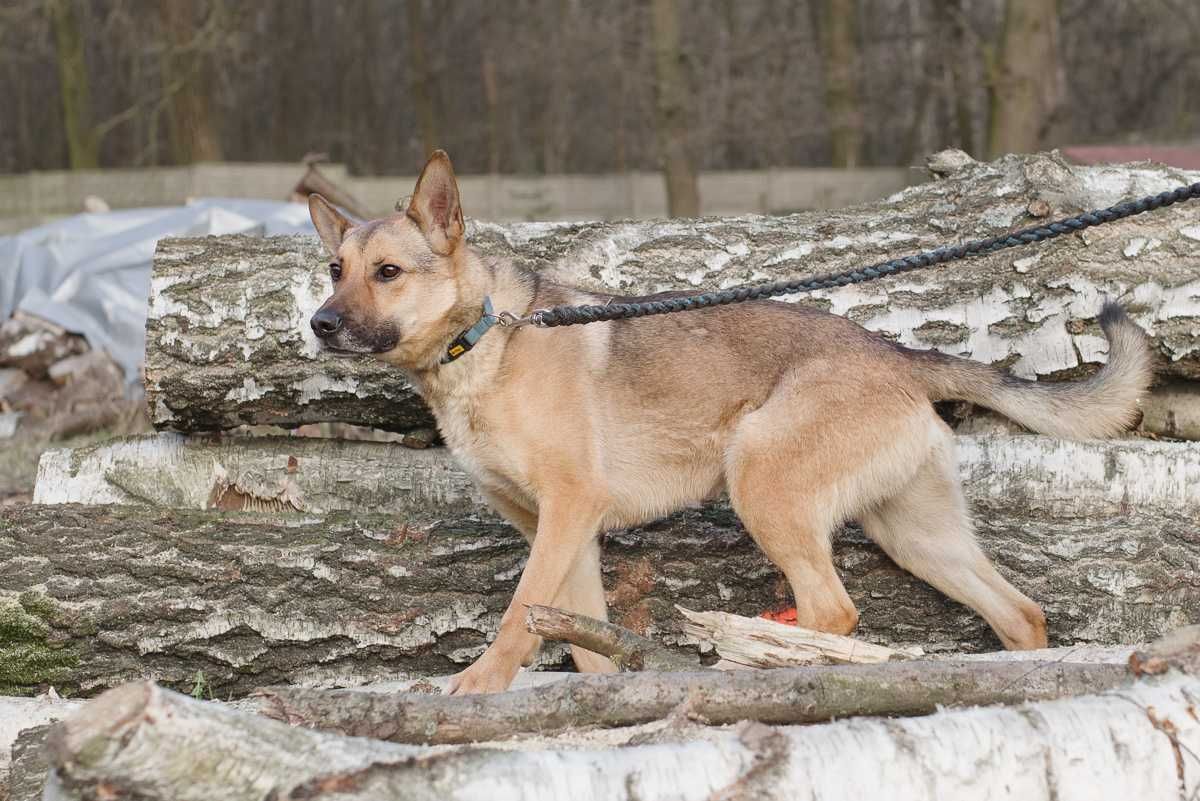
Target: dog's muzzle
326, 322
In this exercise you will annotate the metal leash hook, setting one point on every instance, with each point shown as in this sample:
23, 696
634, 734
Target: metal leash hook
510, 320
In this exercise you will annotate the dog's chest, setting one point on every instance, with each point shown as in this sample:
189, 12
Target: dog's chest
479, 446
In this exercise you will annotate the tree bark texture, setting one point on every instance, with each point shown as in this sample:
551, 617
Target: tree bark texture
228, 341
94, 596
145, 742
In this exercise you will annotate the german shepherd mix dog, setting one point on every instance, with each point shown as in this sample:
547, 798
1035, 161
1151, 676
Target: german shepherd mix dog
806, 419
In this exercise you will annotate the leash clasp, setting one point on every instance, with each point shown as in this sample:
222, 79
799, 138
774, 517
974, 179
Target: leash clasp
510, 320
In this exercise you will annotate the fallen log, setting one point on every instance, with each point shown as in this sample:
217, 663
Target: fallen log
91, 597
30, 716
144, 742
228, 341
315, 475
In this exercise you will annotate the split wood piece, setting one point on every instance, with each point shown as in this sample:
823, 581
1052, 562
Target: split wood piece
759, 643
151, 744
627, 650
783, 696
228, 341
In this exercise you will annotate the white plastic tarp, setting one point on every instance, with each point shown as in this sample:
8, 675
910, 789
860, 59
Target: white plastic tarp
90, 273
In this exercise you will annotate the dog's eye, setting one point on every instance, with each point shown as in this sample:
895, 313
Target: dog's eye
387, 272
335, 272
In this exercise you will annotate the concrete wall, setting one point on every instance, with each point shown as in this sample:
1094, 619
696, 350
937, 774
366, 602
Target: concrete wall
31, 198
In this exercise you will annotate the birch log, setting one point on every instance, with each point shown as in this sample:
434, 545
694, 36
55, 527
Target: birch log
300, 474
144, 742
228, 341
91, 597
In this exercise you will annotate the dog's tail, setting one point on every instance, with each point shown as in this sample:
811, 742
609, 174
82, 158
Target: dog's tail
1100, 406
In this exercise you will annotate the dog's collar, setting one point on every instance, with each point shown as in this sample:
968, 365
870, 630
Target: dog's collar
469, 338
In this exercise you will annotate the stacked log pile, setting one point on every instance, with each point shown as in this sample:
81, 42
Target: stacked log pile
53, 387
53, 384
217, 565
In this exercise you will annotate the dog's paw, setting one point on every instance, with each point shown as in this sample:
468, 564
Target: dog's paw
488, 675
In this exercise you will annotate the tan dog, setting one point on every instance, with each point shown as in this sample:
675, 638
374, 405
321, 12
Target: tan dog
805, 418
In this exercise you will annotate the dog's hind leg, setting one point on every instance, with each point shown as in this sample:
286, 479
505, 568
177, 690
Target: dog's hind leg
814, 455
926, 529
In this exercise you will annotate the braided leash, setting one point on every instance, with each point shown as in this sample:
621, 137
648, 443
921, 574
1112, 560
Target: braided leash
581, 315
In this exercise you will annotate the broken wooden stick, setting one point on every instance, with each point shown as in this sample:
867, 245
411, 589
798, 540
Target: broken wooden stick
627, 650
783, 696
759, 643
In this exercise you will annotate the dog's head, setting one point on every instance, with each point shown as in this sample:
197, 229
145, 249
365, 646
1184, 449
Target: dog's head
396, 281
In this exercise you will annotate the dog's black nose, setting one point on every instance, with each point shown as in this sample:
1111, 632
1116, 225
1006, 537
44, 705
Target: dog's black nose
325, 322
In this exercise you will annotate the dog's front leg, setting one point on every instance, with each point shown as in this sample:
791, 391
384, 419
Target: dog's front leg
566, 523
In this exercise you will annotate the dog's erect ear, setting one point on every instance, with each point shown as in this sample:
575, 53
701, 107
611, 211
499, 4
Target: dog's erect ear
330, 224
435, 207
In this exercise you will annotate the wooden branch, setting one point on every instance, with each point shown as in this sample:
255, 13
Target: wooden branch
228, 341
783, 696
755, 642
628, 651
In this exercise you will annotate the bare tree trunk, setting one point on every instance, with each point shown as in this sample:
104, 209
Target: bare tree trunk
83, 145
491, 86
422, 78
839, 50
1025, 77
924, 61
187, 76
950, 24
671, 111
